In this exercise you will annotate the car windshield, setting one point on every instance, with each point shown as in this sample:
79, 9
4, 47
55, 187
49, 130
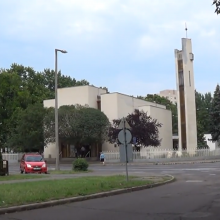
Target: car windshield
34, 159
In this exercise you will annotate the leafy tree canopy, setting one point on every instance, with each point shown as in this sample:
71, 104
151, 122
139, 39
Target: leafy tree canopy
203, 107
217, 6
143, 127
22, 86
78, 125
27, 133
169, 105
215, 115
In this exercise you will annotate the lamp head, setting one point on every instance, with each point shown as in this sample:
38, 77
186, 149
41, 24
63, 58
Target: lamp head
62, 51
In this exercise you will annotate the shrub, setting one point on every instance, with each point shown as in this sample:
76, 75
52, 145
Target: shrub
0, 156
80, 164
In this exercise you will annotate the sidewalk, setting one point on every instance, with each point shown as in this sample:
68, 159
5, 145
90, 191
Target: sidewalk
174, 162
69, 176
145, 162
159, 163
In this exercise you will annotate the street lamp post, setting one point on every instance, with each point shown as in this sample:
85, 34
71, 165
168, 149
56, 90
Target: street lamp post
56, 112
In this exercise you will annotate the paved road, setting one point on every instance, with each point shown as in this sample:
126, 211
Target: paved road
177, 169
195, 195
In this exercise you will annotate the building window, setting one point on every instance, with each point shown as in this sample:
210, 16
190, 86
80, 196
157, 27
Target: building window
99, 105
181, 78
189, 79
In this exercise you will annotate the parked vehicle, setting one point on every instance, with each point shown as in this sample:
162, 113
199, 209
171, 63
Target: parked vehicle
33, 163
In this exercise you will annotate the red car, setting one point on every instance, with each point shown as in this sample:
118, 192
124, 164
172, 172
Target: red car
33, 163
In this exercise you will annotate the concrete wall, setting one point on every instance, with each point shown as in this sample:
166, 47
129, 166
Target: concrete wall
116, 106
163, 116
178, 55
50, 151
109, 105
190, 104
82, 95
189, 92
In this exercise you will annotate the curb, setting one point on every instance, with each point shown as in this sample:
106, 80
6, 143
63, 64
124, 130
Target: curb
148, 163
80, 198
193, 162
167, 163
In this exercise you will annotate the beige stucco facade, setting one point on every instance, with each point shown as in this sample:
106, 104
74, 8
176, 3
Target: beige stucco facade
82, 95
115, 106
186, 96
122, 105
163, 116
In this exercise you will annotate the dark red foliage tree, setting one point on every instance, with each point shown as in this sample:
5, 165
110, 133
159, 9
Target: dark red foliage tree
144, 128
217, 6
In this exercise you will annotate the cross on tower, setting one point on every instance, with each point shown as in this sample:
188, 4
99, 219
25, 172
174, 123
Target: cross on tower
186, 29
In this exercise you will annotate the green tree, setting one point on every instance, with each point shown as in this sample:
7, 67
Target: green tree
217, 6
22, 86
200, 113
144, 128
27, 134
12, 96
203, 118
207, 103
31, 82
78, 125
105, 88
93, 126
63, 81
215, 115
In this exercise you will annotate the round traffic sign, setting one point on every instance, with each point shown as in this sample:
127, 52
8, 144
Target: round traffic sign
124, 136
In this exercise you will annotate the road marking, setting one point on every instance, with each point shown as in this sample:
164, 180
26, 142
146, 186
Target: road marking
212, 174
194, 181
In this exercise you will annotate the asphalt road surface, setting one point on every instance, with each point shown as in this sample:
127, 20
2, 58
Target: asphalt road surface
195, 195
176, 170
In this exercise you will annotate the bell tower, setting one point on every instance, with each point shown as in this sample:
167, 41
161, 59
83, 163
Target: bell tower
187, 127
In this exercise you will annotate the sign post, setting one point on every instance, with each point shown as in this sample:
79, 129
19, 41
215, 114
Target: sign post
124, 137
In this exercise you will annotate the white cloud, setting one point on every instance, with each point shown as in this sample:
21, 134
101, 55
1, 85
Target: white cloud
87, 5
119, 29
148, 42
38, 19
135, 84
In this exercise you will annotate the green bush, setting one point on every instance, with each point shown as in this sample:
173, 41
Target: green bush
80, 164
0, 156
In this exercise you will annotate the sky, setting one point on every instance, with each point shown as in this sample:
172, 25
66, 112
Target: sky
124, 45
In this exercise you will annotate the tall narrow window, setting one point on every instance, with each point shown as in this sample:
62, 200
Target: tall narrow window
189, 79
181, 78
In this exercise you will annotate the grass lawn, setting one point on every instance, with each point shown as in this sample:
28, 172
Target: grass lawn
67, 172
45, 190
22, 177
